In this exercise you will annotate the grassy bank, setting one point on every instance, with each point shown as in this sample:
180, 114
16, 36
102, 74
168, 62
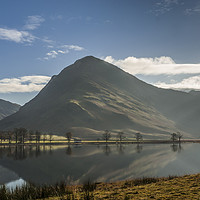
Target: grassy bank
185, 187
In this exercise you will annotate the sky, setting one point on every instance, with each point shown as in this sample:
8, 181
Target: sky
155, 40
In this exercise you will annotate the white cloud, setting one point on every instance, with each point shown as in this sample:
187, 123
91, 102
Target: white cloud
52, 54
153, 66
191, 83
73, 47
33, 22
23, 84
61, 50
16, 36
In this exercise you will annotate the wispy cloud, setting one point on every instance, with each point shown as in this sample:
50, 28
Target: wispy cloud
33, 22
153, 66
61, 50
23, 36
16, 35
191, 83
48, 41
191, 11
56, 17
73, 47
23, 84
163, 6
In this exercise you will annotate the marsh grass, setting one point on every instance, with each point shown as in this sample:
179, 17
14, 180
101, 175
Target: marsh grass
172, 187
60, 190
31, 191
88, 189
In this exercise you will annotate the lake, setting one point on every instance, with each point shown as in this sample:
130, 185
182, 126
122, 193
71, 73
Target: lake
77, 164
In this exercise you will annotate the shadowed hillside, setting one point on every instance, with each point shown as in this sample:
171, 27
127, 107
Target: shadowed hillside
92, 95
7, 108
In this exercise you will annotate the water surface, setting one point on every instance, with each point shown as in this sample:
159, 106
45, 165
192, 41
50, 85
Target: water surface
77, 164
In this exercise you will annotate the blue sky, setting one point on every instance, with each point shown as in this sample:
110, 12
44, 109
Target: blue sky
155, 40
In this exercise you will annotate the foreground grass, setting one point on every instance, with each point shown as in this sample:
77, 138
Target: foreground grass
185, 187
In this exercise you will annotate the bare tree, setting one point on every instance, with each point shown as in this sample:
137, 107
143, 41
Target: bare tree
106, 135
6, 135
50, 138
37, 136
16, 134
138, 136
173, 137
44, 138
23, 133
1, 136
69, 136
9, 136
20, 134
179, 136
30, 136
121, 136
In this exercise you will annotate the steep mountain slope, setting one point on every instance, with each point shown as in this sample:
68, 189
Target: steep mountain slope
92, 95
7, 108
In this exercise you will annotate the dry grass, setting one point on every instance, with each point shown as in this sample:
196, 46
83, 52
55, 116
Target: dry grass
186, 187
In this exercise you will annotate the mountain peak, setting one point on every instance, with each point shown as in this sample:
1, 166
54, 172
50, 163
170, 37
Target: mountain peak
87, 59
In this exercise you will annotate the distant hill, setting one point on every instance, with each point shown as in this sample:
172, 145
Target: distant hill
92, 95
7, 108
194, 92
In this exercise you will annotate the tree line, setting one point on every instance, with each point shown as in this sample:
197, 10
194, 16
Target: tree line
22, 135
120, 136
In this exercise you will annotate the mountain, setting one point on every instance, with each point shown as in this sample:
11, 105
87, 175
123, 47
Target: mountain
92, 95
7, 108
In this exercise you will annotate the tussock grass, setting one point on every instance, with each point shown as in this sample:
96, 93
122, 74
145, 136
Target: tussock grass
31, 191
172, 187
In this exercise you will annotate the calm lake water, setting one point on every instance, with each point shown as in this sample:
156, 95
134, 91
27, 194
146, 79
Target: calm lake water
77, 164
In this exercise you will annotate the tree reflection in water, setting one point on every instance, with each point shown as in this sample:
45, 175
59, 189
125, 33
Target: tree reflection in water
69, 150
106, 150
21, 152
176, 147
139, 148
120, 148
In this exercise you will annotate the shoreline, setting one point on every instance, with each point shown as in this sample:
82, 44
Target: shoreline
86, 142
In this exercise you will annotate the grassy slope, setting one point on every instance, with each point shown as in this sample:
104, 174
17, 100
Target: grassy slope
185, 187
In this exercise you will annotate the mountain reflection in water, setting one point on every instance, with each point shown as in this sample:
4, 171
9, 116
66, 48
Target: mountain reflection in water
76, 164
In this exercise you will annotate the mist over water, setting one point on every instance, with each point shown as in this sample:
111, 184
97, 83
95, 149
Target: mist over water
77, 164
